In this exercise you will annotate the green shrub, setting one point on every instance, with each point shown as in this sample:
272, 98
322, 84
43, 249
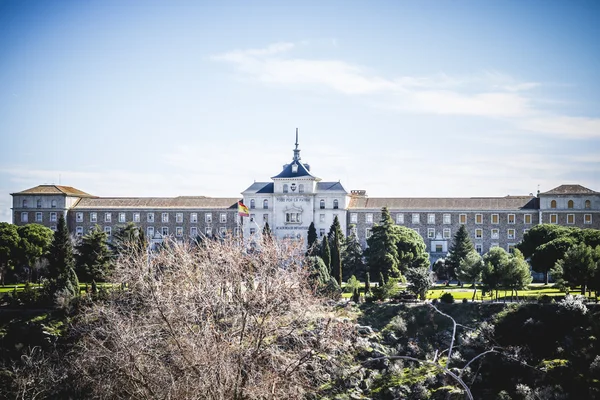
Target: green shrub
447, 298
352, 285
387, 290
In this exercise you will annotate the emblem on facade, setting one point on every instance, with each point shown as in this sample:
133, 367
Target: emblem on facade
293, 187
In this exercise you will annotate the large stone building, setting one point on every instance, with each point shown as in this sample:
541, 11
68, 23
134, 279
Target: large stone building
295, 198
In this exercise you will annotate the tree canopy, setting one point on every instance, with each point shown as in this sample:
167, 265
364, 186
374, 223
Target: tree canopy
382, 253
461, 246
470, 269
93, 257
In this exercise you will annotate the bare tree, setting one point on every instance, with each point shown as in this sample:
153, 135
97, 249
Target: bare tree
213, 321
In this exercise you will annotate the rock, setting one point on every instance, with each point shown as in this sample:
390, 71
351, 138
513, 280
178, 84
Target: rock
364, 330
390, 338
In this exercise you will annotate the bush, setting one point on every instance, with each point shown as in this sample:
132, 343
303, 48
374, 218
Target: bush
404, 295
447, 298
465, 300
545, 299
387, 290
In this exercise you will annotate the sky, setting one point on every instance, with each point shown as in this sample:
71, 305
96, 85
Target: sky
445, 98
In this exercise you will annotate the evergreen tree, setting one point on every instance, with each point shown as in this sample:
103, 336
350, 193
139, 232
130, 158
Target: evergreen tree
312, 239
34, 242
517, 275
412, 252
9, 244
61, 261
93, 258
336, 257
382, 251
420, 280
461, 246
352, 261
333, 229
470, 270
127, 239
267, 233
367, 284
578, 266
494, 266
326, 253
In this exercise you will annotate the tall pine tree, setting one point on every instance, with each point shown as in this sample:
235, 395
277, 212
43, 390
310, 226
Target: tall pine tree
336, 257
93, 258
352, 261
61, 261
311, 240
382, 253
461, 246
267, 233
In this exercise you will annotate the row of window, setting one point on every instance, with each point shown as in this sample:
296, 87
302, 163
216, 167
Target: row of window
164, 231
122, 217
336, 204
447, 233
39, 217
587, 219
39, 203
447, 218
571, 204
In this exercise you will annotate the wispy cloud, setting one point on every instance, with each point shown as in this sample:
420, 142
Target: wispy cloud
490, 94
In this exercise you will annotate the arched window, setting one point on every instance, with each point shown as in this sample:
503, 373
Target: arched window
553, 204
570, 204
322, 204
266, 204
53, 204
335, 204
285, 188
24, 203
301, 188
588, 204
252, 203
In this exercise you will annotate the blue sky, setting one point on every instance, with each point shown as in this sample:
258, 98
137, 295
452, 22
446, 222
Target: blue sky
401, 98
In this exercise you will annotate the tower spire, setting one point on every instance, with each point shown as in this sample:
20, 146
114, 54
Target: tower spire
296, 150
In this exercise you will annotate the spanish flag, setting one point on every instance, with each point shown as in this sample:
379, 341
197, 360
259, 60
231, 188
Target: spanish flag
243, 210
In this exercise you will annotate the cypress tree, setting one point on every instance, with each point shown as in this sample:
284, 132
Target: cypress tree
352, 260
367, 284
333, 229
461, 246
336, 258
312, 239
61, 261
267, 233
326, 253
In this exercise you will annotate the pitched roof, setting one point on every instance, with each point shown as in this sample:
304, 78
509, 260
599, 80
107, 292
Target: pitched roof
181, 202
288, 172
330, 186
457, 203
55, 189
570, 189
260, 187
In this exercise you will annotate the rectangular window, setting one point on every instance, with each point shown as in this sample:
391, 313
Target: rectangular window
570, 218
368, 233
194, 218
79, 217
93, 217
222, 231
79, 230
431, 218
369, 218
179, 218
587, 218
447, 219
479, 218
150, 232
527, 219
430, 233
38, 217
416, 218
223, 218
447, 233
439, 248
179, 231
53, 228
265, 217
554, 218
293, 218
479, 248
208, 231
252, 230
511, 234
478, 233
353, 218
495, 219
208, 218
194, 231
107, 217
462, 218
252, 216
107, 230
511, 248
121, 217
136, 217
165, 217
165, 231
150, 217
495, 234
511, 218
24, 217
400, 219
53, 217
321, 217
321, 232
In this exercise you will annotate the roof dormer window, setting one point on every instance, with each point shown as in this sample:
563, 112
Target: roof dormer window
294, 168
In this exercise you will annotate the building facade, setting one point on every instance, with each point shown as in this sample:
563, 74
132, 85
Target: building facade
295, 198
